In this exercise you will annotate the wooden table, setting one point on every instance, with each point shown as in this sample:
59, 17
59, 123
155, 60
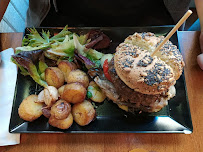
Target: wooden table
124, 142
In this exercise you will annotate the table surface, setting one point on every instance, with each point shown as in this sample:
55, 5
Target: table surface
124, 142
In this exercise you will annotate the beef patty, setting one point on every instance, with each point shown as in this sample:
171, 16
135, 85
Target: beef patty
136, 100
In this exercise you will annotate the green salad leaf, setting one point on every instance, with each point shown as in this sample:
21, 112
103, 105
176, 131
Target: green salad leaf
34, 39
27, 61
91, 54
65, 48
30, 48
29, 58
61, 35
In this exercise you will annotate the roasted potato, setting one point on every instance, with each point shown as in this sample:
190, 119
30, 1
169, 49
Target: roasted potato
61, 109
30, 109
54, 77
74, 93
83, 113
60, 90
63, 123
66, 67
78, 76
46, 111
95, 93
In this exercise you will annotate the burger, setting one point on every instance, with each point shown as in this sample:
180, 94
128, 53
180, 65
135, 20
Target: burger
138, 80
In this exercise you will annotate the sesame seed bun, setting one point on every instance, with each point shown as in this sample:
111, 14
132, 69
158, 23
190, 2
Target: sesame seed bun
168, 53
141, 72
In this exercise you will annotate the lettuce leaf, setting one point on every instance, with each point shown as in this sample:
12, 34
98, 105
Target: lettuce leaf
27, 61
90, 54
65, 48
34, 40
61, 35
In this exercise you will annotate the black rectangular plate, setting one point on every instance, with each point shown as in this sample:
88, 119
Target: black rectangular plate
174, 118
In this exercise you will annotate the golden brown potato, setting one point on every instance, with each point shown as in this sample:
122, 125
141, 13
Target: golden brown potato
60, 90
66, 67
74, 93
62, 124
61, 109
29, 109
83, 113
96, 94
78, 76
54, 77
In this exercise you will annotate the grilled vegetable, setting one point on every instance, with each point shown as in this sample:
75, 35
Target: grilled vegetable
106, 69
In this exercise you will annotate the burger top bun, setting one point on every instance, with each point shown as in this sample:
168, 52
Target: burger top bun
141, 72
168, 53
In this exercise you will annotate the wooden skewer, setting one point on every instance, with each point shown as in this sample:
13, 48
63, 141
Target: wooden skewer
181, 21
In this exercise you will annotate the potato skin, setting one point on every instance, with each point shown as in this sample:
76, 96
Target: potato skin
61, 124
74, 93
54, 77
66, 67
61, 89
78, 76
83, 113
46, 112
29, 109
61, 109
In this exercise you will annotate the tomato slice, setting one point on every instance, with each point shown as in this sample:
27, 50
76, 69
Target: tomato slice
106, 69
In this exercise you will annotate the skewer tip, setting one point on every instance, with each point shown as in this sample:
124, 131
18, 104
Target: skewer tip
190, 11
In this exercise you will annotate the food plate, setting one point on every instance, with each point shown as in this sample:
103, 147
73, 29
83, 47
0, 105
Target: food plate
174, 118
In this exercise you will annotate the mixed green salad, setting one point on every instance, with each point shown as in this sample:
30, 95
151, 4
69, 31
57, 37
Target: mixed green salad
41, 50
